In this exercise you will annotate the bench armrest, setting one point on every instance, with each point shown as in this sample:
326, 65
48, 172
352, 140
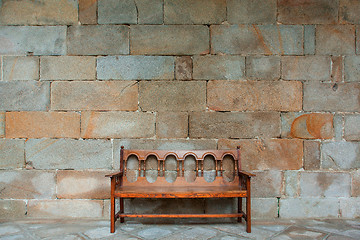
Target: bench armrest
117, 174
246, 174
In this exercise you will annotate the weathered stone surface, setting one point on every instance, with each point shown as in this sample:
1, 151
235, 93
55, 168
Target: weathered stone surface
150, 11
263, 68
97, 40
265, 95
194, 11
169, 40
325, 184
307, 126
43, 12
251, 11
67, 68
264, 208
84, 95
20, 68
184, 68
172, 125
88, 11
2, 124
352, 127
135, 67
267, 184
355, 183
117, 12
12, 209
269, 154
349, 11
295, 208
309, 39
306, 68
24, 96
340, 155
62, 208
22, 40
257, 39
335, 39
338, 126
83, 184
27, 184
352, 69
331, 97
11, 153
172, 96
337, 68
69, 153
358, 40
291, 183
350, 207
42, 125
219, 67
117, 125
308, 12
311, 155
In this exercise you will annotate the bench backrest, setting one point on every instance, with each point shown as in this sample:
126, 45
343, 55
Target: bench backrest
180, 156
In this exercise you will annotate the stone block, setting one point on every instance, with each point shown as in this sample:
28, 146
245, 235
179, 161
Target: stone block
83, 184
338, 126
349, 12
308, 12
352, 127
150, 11
27, 184
172, 96
91, 95
172, 125
340, 155
355, 183
117, 124
352, 68
117, 12
13, 209
306, 68
251, 12
264, 208
307, 125
135, 67
49, 12
265, 95
97, 40
88, 11
309, 39
194, 11
337, 68
42, 125
37, 40
350, 207
219, 67
335, 39
24, 96
67, 68
291, 183
63, 208
233, 125
169, 40
2, 124
332, 97
12, 154
311, 155
20, 68
269, 154
69, 154
358, 40
267, 184
325, 184
184, 68
300, 208
263, 68
257, 39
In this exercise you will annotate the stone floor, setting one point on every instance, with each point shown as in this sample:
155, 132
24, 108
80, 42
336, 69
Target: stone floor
95, 229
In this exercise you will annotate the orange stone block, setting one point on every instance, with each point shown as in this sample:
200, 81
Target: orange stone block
313, 126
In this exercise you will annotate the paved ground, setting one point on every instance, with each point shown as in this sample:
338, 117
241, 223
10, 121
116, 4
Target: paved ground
92, 229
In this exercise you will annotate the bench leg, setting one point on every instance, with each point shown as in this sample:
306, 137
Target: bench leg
112, 215
239, 208
248, 215
122, 219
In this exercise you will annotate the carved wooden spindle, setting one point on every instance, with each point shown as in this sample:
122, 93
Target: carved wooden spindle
158, 167
163, 167
216, 168
197, 167
202, 167
221, 167
183, 168
125, 166
178, 167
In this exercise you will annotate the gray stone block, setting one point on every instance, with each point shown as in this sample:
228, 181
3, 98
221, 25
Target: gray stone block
24, 96
341, 43
350, 207
13, 209
263, 68
12, 154
352, 127
267, 184
309, 39
150, 11
257, 39
218, 67
338, 126
358, 40
97, 40
352, 69
349, 12
23, 40
251, 11
300, 208
135, 67
69, 154
2, 124
117, 12
291, 182
311, 155
172, 125
20, 68
340, 155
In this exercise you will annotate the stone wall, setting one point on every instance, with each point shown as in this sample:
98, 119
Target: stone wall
81, 78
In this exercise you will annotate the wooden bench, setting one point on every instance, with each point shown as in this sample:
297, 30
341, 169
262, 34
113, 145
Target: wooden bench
122, 188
